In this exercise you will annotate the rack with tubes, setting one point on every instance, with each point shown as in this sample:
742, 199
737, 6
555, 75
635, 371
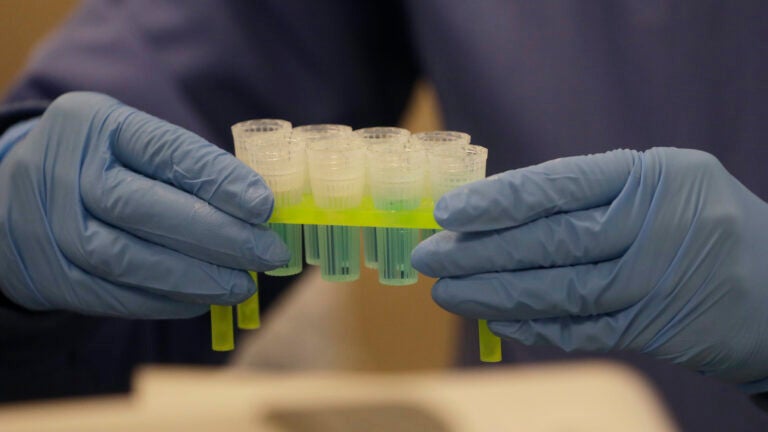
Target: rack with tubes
334, 186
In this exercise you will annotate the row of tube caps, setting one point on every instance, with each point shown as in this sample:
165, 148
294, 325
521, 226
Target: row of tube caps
340, 169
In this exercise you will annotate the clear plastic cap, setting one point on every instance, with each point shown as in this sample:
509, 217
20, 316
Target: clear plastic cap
440, 138
313, 132
337, 170
258, 131
383, 135
282, 164
264, 146
452, 167
397, 172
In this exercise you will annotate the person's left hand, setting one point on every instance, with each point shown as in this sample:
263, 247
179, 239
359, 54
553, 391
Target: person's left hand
662, 252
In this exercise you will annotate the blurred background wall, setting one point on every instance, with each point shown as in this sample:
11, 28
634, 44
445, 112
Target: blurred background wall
23, 23
398, 328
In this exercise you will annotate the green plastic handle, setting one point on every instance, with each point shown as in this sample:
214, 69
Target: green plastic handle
365, 215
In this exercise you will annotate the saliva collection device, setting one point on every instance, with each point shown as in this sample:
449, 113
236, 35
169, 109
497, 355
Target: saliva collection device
335, 187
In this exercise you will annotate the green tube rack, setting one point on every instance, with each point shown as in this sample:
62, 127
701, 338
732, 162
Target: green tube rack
307, 213
308, 221
366, 215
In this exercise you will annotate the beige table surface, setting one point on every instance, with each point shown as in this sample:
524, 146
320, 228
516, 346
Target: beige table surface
592, 396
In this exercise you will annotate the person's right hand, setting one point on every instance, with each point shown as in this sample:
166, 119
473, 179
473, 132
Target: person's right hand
106, 210
661, 252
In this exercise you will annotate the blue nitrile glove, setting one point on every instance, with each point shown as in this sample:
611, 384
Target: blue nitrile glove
662, 252
107, 210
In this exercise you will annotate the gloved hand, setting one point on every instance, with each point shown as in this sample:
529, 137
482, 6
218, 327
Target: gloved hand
662, 252
107, 210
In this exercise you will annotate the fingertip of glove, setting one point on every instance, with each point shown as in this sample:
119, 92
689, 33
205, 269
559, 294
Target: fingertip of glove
505, 329
264, 251
242, 288
423, 258
259, 201
444, 211
457, 295
457, 210
279, 254
444, 296
420, 259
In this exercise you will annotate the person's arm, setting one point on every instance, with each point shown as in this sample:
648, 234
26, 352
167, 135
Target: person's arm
92, 194
207, 64
661, 252
201, 65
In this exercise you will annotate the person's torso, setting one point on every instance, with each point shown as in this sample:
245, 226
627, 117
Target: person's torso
537, 80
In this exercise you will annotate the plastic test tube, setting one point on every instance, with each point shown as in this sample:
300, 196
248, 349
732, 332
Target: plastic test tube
450, 167
281, 163
222, 329
337, 177
247, 135
436, 141
377, 136
304, 135
396, 172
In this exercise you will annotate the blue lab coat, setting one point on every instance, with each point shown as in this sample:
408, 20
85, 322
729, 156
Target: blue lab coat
531, 80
